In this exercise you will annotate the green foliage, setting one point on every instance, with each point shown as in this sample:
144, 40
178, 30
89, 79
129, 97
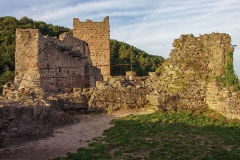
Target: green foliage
229, 78
7, 76
123, 53
201, 134
8, 26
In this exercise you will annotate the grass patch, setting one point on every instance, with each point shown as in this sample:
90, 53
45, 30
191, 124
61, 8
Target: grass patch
170, 135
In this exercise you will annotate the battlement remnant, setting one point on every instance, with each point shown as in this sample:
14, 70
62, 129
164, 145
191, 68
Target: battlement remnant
97, 35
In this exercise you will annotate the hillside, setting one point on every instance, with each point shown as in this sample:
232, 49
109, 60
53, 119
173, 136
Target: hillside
142, 62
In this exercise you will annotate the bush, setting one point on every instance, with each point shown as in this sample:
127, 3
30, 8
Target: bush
7, 76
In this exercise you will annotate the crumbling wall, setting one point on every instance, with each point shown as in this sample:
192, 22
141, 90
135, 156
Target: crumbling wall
223, 101
97, 35
118, 93
187, 77
61, 63
52, 63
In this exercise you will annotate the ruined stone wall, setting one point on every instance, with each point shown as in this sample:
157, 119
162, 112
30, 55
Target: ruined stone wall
51, 63
192, 62
188, 77
58, 68
97, 35
223, 101
118, 93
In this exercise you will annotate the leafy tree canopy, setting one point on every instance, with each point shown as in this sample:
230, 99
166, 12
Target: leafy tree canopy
142, 62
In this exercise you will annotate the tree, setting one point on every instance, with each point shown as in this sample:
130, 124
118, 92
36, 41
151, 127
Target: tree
123, 53
7, 76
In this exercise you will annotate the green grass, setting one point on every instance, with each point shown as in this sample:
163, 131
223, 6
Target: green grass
170, 135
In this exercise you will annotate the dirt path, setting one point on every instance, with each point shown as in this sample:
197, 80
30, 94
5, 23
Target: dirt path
64, 140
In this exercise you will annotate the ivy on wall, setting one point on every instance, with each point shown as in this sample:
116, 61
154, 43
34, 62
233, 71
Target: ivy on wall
229, 78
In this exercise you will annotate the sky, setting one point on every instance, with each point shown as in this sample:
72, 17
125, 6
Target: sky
150, 25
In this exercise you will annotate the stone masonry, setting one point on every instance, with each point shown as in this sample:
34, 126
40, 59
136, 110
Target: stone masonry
188, 77
187, 80
97, 35
51, 63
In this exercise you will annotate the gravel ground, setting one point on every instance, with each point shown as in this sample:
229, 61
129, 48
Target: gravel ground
64, 140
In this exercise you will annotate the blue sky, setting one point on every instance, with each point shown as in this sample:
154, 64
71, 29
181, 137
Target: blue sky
150, 25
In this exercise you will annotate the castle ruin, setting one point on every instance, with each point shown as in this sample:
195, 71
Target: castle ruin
68, 62
187, 80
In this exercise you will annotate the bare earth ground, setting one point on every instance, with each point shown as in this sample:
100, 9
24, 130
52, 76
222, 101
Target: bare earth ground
64, 140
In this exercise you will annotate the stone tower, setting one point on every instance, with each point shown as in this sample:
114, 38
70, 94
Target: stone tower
97, 35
